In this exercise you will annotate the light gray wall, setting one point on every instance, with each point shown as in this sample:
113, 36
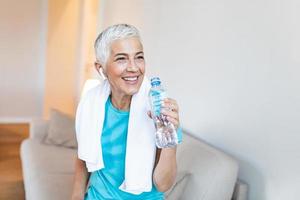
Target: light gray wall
234, 68
23, 27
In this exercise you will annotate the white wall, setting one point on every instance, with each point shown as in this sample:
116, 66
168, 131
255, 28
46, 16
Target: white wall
234, 68
22, 59
63, 42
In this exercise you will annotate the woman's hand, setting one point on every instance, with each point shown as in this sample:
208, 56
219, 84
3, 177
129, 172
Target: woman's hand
171, 110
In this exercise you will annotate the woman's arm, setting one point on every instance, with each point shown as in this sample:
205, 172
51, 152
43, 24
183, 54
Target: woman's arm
165, 168
81, 178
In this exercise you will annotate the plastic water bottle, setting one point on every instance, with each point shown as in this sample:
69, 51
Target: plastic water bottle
166, 135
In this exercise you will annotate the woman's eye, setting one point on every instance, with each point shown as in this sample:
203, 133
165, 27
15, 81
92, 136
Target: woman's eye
120, 58
140, 57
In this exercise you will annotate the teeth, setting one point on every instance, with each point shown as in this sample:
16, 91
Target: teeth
130, 78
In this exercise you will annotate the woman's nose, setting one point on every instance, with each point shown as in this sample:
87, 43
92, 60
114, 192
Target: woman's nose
133, 67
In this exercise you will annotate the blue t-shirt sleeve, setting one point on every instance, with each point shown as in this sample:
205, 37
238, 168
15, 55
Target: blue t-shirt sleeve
179, 134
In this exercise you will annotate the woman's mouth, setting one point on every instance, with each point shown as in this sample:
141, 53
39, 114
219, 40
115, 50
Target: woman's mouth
131, 79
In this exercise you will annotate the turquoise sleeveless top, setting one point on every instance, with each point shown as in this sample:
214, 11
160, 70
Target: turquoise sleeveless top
104, 183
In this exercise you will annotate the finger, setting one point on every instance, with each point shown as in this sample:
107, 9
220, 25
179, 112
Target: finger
173, 121
170, 106
149, 114
173, 103
169, 113
170, 100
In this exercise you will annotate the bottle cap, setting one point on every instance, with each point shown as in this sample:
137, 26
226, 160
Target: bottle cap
155, 81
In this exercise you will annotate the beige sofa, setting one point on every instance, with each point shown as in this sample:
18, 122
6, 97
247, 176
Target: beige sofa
48, 170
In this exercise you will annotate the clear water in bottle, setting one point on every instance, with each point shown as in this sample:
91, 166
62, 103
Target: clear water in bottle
166, 135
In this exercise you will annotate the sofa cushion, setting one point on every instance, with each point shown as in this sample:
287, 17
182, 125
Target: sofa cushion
48, 171
61, 130
212, 173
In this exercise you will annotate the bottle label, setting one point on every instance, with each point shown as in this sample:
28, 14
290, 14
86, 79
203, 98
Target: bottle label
157, 97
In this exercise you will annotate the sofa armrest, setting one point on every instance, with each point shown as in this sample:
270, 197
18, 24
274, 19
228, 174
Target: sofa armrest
38, 129
240, 191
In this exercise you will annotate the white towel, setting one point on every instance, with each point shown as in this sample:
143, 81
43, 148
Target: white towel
140, 148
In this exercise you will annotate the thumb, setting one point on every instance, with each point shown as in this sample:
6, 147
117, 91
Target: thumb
149, 114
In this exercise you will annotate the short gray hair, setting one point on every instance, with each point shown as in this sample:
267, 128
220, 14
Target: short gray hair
106, 37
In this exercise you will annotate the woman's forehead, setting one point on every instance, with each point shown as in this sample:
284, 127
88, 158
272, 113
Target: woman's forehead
130, 45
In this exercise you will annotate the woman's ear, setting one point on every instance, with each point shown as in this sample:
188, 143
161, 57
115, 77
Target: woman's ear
97, 66
99, 69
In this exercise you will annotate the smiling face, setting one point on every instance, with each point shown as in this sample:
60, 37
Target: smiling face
125, 66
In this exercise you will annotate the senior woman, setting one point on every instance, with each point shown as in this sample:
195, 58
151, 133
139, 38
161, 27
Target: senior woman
120, 59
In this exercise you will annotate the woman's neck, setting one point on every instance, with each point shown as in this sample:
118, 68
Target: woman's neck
121, 102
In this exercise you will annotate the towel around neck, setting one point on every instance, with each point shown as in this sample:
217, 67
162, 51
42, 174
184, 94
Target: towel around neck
140, 148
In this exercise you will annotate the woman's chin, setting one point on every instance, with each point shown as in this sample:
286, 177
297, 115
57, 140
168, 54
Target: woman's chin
132, 89
131, 92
